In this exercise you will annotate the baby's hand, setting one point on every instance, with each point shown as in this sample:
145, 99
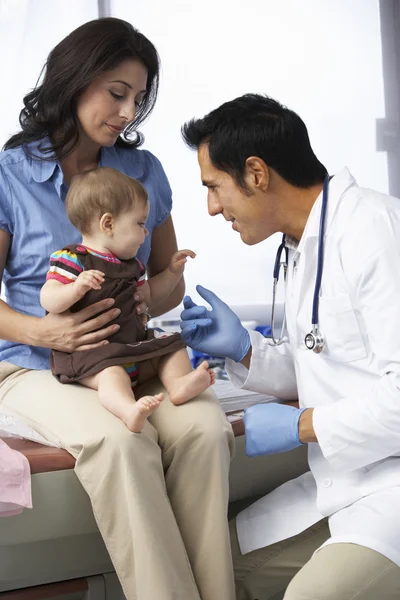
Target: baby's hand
178, 260
88, 280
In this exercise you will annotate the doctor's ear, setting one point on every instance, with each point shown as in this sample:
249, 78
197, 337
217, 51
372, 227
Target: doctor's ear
257, 173
106, 223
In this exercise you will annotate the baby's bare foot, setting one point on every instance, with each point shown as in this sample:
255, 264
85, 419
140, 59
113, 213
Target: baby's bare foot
141, 409
192, 384
212, 376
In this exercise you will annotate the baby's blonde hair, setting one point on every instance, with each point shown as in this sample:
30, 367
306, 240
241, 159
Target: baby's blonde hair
99, 191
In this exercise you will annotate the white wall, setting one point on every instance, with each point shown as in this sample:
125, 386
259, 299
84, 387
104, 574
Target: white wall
320, 57
29, 29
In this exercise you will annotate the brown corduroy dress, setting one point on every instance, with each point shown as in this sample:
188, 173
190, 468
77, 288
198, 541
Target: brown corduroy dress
132, 342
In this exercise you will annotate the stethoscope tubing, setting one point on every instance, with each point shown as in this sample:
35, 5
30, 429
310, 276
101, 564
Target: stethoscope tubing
318, 279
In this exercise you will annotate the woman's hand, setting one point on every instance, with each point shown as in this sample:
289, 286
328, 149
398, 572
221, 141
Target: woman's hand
141, 307
83, 330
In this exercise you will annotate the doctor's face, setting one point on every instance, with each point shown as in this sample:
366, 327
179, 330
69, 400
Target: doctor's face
251, 215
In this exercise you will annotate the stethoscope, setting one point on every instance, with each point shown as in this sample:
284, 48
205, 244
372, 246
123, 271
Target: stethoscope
314, 340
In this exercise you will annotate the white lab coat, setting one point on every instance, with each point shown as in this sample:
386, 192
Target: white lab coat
353, 385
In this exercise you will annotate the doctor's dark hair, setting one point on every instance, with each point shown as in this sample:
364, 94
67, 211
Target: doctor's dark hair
51, 107
256, 125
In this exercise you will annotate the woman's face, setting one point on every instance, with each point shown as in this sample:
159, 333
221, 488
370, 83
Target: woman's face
110, 102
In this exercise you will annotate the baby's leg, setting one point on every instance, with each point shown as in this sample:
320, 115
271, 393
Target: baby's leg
116, 395
181, 382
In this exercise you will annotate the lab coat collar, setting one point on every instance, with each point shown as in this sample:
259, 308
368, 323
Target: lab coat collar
337, 186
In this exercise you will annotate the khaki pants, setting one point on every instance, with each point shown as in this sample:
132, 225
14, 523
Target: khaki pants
336, 572
159, 497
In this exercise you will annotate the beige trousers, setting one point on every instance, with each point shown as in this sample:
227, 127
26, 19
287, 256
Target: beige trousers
336, 572
159, 497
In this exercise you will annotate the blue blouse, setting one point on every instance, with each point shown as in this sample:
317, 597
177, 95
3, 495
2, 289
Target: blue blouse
32, 212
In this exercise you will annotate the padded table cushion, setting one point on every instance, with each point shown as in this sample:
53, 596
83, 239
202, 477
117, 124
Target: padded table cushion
42, 459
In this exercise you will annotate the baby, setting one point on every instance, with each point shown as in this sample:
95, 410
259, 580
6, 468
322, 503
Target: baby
110, 210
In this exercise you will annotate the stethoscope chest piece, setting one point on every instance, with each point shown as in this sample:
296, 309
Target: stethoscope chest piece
315, 341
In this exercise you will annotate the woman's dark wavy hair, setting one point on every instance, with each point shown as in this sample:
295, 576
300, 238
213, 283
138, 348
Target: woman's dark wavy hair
256, 125
95, 47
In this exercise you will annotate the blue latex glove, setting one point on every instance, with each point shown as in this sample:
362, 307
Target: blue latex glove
217, 332
271, 428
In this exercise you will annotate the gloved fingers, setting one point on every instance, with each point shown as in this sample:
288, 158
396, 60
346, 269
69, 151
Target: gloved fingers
194, 312
188, 302
187, 326
251, 452
209, 296
262, 408
253, 414
256, 408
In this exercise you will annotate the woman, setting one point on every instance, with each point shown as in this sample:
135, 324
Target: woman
161, 509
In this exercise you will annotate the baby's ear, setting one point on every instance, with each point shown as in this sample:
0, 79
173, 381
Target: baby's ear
107, 223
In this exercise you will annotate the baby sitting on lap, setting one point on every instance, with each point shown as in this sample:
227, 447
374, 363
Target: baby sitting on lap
110, 210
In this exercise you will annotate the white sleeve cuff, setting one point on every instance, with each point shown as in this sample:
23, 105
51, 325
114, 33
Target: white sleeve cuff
271, 369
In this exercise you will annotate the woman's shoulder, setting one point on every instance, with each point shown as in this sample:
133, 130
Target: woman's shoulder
134, 159
22, 161
13, 156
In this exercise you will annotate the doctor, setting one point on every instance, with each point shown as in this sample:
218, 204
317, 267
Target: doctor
333, 533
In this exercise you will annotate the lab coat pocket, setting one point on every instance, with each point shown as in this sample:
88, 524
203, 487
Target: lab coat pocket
338, 323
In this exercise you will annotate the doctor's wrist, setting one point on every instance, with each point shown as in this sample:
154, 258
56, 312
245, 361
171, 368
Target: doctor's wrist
244, 346
306, 428
246, 360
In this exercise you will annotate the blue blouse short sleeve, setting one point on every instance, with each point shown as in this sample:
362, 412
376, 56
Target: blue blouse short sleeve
6, 216
144, 166
162, 190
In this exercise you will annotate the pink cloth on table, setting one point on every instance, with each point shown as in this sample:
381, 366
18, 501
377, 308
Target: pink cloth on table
15, 482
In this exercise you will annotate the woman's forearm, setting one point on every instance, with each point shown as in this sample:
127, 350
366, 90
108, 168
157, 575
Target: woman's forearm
170, 302
162, 286
16, 327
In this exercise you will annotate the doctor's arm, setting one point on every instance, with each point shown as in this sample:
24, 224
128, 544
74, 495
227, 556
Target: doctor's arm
364, 428
306, 427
